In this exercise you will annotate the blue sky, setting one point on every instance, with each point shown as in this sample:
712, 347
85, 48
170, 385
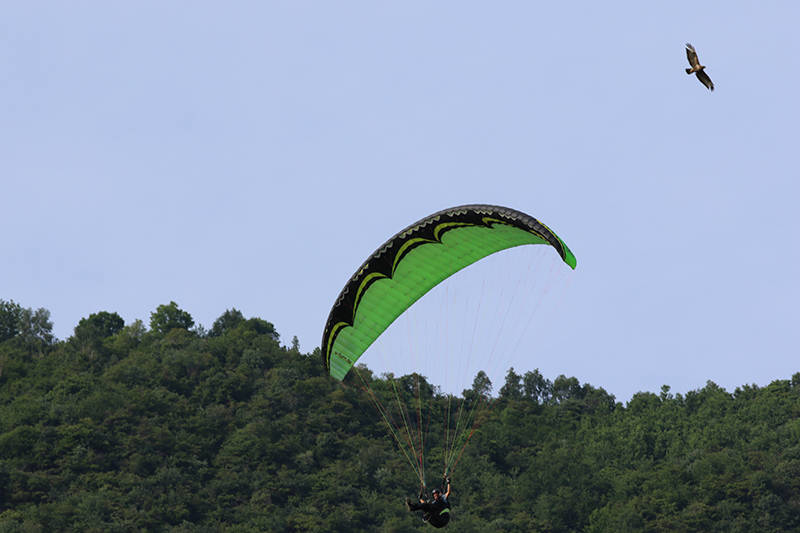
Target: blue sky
253, 155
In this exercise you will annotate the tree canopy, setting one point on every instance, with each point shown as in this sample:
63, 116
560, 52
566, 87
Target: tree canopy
123, 428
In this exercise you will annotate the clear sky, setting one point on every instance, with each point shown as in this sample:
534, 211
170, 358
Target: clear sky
252, 154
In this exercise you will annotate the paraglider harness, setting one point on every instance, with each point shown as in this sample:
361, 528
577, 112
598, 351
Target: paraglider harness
436, 512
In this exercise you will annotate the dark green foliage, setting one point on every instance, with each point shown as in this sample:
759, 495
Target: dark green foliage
10, 319
226, 322
98, 326
124, 429
512, 390
168, 317
24, 334
91, 334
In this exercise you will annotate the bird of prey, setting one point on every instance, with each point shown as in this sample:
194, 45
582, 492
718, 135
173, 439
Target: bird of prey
697, 68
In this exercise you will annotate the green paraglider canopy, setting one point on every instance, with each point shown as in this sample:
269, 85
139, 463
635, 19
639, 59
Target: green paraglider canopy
414, 261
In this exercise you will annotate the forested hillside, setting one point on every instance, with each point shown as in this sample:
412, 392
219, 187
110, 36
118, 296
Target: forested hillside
167, 426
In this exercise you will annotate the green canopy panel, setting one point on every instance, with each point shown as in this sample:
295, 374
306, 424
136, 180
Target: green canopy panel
414, 261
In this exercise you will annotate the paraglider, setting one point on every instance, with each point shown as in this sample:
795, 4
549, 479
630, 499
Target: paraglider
400, 272
435, 511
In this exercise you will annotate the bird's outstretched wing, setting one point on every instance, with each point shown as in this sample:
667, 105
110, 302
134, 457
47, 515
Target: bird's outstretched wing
705, 80
691, 55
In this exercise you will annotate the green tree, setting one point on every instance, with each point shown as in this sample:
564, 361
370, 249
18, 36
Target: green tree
565, 388
261, 327
10, 319
227, 321
36, 330
98, 326
481, 387
512, 389
536, 387
168, 317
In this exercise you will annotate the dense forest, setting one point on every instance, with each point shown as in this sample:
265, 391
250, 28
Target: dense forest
172, 427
